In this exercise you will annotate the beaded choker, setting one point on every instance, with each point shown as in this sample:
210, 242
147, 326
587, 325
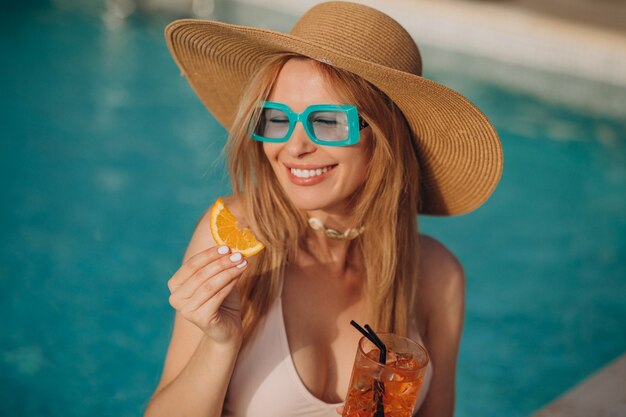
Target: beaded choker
316, 224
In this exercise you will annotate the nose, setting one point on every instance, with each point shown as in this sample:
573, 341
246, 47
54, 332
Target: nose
299, 143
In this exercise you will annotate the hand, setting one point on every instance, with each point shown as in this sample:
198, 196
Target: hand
339, 409
203, 291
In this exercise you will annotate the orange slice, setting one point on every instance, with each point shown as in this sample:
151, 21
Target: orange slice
226, 232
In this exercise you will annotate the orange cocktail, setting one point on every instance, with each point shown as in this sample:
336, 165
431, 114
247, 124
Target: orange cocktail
393, 387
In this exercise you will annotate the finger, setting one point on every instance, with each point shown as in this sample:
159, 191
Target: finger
215, 267
201, 276
193, 264
207, 311
340, 409
213, 304
212, 286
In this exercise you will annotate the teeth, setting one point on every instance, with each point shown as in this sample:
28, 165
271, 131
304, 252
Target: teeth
308, 173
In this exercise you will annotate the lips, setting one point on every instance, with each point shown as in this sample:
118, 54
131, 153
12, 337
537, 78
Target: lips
308, 174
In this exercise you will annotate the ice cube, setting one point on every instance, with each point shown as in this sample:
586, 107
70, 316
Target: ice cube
392, 357
406, 361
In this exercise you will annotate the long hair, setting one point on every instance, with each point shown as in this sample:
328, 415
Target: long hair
386, 204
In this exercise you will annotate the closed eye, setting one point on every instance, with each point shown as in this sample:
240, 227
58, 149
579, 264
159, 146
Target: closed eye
326, 121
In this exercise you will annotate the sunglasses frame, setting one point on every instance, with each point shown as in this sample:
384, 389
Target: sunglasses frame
355, 123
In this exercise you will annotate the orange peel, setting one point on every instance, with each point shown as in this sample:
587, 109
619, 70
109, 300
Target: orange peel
226, 231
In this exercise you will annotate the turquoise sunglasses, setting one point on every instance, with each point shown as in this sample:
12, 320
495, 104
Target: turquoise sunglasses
325, 124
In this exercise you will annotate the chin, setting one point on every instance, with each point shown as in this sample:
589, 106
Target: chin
313, 203
307, 203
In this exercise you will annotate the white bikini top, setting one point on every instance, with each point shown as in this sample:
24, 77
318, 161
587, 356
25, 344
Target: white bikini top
265, 381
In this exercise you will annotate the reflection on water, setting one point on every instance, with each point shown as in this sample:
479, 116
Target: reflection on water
117, 11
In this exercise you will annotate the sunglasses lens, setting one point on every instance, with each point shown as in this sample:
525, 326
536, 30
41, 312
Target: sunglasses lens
273, 124
329, 126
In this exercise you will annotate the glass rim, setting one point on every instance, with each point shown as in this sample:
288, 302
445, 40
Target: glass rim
420, 347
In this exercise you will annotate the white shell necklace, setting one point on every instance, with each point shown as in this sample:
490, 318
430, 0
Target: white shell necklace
316, 224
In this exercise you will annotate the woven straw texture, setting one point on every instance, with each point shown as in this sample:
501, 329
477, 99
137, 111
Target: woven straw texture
459, 152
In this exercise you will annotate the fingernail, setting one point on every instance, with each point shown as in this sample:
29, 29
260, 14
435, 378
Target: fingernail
242, 265
236, 257
222, 250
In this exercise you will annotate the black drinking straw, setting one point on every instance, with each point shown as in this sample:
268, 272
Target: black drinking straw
373, 337
383, 349
364, 332
379, 387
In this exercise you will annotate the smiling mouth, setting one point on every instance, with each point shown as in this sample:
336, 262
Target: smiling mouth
310, 173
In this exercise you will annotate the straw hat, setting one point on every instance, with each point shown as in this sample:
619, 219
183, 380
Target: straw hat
459, 152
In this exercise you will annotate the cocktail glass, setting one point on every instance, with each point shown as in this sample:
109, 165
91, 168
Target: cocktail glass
396, 383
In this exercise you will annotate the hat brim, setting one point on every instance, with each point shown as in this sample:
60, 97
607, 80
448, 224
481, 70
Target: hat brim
459, 152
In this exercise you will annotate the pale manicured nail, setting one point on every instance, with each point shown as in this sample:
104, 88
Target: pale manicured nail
236, 257
242, 265
222, 250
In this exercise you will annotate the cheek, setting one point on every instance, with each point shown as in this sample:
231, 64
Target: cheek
360, 174
271, 151
267, 150
365, 157
358, 171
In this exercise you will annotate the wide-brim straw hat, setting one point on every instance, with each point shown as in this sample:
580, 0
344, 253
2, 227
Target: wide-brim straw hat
459, 153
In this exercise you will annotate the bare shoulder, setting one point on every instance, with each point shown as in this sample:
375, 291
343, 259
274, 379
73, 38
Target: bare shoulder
438, 265
440, 315
441, 284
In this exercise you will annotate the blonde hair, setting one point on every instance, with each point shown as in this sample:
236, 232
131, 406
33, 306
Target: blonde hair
386, 204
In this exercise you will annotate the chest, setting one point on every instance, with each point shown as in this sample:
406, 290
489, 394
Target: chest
317, 311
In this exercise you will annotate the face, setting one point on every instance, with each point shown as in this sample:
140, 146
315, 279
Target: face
314, 177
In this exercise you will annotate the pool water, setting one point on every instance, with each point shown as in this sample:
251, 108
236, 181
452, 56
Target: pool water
107, 161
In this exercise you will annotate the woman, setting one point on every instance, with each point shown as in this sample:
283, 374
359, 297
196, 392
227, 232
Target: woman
270, 335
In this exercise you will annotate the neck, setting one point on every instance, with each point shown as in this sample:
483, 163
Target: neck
348, 234
328, 250
340, 222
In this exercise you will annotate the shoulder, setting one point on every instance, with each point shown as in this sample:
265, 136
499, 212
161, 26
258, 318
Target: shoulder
440, 312
202, 238
439, 267
441, 286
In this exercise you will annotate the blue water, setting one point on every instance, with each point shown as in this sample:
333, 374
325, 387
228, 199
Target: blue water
107, 160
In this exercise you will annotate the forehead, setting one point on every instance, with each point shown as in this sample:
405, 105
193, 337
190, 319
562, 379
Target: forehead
300, 83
